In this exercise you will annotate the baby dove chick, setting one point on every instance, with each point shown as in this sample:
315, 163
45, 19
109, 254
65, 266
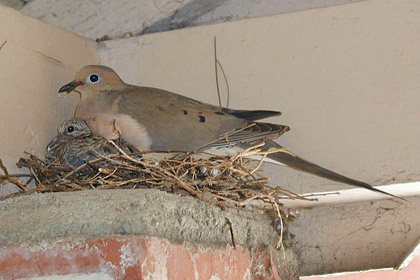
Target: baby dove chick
75, 144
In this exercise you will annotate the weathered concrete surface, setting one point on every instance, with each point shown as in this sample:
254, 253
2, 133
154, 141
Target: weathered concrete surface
16, 4
410, 273
243, 9
94, 19
354, 237
142, 212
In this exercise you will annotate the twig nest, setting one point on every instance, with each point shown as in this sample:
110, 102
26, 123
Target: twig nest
230, 182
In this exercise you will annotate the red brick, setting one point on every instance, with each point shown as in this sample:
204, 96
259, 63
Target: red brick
179, 263
134, 258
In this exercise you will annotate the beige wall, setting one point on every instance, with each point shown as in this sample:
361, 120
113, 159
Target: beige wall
345, 78
36, 59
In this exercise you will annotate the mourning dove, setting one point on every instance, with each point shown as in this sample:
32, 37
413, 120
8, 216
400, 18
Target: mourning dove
75, 144
155, 119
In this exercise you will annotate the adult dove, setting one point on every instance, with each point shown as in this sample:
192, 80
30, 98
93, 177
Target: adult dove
155, 119
75, 144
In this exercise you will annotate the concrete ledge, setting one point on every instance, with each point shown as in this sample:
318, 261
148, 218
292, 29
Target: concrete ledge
356, 236
52, 216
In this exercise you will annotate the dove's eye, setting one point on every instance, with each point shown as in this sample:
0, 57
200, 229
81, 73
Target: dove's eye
93, 78
70, 129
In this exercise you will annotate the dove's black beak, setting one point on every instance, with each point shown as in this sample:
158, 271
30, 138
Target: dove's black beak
70, 86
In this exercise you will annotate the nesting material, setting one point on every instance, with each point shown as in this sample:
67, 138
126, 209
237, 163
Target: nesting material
230, 182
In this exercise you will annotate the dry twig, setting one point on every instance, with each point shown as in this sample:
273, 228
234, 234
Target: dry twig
2, 45
216, 64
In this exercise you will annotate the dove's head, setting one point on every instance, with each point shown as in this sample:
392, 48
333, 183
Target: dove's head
74, 128
94, 79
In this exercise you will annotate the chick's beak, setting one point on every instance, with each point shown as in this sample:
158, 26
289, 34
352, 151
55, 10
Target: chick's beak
70, 86
52, 146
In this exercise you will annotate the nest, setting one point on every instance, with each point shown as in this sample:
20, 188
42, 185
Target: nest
229, 182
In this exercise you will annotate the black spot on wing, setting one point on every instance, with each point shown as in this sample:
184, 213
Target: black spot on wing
202, 118
185, 112
219, 113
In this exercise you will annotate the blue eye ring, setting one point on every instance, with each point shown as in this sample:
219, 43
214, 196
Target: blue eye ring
93, 78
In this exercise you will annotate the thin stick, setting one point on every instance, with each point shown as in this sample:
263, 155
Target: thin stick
2, 166
215, 70
2, 45
227, 84
231, 232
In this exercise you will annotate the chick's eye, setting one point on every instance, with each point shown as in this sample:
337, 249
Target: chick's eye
93, 78
70, 129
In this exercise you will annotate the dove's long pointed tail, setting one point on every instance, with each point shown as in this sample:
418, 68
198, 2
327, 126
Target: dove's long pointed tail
291, 160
